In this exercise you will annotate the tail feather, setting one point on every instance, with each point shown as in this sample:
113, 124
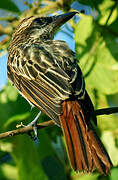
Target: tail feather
84, 147
101, 158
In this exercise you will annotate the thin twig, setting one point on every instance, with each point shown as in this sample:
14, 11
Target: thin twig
8, 18
106, 111
5, 30
4, 41
111, 12
27, 129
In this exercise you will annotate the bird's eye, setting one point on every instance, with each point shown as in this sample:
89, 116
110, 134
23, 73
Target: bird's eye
38, 21
49, 20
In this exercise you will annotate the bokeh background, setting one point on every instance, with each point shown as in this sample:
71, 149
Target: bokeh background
93, 35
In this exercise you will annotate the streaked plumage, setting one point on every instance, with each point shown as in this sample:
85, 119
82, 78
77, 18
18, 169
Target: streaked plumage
45, 71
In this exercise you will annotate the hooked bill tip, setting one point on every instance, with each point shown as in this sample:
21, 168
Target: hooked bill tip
63, 18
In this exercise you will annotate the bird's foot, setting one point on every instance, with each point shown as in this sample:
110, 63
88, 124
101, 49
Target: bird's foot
34, 135
35, 129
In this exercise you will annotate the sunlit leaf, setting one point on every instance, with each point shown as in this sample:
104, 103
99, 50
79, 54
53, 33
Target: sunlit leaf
114, 174
89, 177
97, 55
11, 106
16, 118
9, 171
105, 9
109, 141
6, 146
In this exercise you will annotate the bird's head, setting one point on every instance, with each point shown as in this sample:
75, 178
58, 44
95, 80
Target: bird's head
40, 28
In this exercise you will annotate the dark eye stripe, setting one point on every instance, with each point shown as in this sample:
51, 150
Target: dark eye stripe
39, 21
49, 20
43, 21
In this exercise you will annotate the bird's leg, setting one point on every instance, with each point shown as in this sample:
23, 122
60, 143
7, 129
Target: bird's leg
34, 122
34, 125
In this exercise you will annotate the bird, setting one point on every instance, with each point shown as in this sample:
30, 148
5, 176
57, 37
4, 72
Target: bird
45, 71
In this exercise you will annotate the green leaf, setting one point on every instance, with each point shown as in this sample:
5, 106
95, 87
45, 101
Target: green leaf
59, 149
109, 141
89, 176
106, 122
51, 165
12, 105
114, 174
17, 118
105, 9
98, 56
8, 93
36, 161
32, 161
114, 26
9, 171
26, 158
9, 5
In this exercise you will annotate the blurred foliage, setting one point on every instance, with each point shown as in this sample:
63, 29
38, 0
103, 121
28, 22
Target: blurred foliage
9, 5
96, 45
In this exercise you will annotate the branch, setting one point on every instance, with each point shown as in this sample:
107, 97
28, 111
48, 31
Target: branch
8, 18
27, 129
106, 28
5, 30
106, 111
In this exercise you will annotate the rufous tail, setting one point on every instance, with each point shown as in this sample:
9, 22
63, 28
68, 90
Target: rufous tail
85, 150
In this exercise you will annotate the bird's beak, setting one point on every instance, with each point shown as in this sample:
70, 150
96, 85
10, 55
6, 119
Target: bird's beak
63, 18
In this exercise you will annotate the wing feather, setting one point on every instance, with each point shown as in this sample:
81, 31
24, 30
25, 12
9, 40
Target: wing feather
40, 99
46, 78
